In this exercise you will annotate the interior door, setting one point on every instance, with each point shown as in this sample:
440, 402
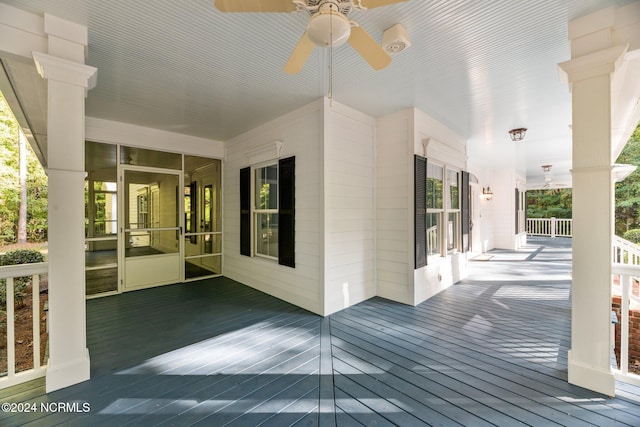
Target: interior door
151, 234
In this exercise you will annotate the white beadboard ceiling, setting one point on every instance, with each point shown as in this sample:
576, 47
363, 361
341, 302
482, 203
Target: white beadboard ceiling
481, 67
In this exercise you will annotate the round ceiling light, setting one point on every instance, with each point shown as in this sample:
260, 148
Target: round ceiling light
329, 28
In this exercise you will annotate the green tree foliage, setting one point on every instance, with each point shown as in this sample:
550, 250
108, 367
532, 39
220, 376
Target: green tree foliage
549, 203
628, 191
10, 184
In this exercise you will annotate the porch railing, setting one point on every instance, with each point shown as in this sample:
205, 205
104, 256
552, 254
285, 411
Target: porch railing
625, 252
625, 285
552, 227
13, 373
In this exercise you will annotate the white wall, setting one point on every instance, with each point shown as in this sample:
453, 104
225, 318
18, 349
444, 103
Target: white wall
349, 177
394, 206
502, 207
481, 212
399, 137
301, 133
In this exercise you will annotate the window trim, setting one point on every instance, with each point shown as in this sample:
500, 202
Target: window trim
255, 211
456, 247
443, 212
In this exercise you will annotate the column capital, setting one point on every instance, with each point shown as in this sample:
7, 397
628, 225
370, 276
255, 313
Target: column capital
65, 71
593, 64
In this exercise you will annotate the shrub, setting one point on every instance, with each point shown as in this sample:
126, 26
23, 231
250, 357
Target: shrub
20, 256
632, 235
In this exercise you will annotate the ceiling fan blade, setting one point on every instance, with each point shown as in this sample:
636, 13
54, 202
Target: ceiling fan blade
367, 47
255, 5
299, 55
371, 4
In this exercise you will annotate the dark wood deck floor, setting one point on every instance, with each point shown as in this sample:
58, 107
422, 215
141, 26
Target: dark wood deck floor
490, 350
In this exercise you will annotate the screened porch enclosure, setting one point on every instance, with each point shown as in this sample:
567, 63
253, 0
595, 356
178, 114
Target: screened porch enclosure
151, 218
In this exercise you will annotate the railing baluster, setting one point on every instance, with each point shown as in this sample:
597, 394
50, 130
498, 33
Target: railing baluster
11, 333
35, 292
624, 337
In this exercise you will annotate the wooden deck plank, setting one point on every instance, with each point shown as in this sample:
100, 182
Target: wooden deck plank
522, 375
485, 405
303, 411
327, 407
407, 347
429, 392
381, 385
364, 415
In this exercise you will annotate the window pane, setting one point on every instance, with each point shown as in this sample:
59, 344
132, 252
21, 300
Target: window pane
433, 233
434, 186
267, 234
454, 197
452, 231
266, 188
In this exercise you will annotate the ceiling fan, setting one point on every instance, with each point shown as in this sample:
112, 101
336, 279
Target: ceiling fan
328, 26
548, 178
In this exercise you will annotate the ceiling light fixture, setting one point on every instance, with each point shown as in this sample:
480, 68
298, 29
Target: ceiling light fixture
517, 134
329, 27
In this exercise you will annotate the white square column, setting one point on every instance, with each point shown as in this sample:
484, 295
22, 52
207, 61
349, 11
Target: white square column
67, 83
598, 51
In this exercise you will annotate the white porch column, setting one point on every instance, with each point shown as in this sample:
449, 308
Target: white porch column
598, 54
68, 80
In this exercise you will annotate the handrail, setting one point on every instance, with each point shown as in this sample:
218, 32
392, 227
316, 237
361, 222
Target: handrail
21, 270
9, 274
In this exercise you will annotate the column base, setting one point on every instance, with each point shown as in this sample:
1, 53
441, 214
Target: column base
67, 374
591, 378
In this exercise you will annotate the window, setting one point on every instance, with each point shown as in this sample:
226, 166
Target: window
143, 210
435, 208
453, 210
267, 211
438, 210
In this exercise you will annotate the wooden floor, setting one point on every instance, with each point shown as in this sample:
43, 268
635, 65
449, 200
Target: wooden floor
491, 350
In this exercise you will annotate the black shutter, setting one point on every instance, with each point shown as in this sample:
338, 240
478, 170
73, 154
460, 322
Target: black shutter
286, 211
517, 207
245, 211
465, 227
420, 218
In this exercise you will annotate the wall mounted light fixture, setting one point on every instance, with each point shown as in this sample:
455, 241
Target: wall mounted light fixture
487, 194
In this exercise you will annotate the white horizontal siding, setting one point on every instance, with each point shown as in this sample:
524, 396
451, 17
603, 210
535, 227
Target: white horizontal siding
301, 134
393, 203
348, 207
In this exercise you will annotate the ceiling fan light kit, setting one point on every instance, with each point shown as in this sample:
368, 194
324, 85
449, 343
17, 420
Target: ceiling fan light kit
329, 28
